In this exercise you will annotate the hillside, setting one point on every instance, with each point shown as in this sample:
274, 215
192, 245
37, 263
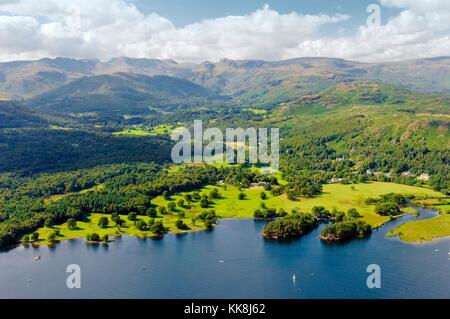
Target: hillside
14, 115
122, 93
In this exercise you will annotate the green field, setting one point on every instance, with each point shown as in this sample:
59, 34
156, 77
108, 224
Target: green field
91, 226
157, 130
133, 132
423, 230
337, 196
429, 229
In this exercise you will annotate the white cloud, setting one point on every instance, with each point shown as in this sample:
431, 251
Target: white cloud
421, 29
109, 28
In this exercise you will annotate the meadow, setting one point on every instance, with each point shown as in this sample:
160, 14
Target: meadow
334, 196
428, 229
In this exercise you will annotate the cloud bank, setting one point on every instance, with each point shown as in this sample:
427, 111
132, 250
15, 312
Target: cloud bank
104, 29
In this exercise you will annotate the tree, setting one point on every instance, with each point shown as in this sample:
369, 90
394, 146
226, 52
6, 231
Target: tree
181, 225
151, 212
26, 238
180, 203
196, 196
72, 224
188, 198
208, 224
263, 195
291, 195
171, 207
158, 228
103, 222
141, 225
338, 216
94, 237
116, 219
48, 223
388, 209
181, 214
105, 238
352, 214
162, 210
53, 237
204, 202
320, 213
242, 196
35, 236
166, 195
132, 217
150, 223
214, 194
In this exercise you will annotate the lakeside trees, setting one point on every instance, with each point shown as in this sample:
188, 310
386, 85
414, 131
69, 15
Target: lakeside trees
294, 225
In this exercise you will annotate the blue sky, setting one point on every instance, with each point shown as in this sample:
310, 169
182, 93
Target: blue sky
182, 12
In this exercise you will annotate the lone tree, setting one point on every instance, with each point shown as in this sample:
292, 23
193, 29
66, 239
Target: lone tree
141, 225
158, 228
132, 217
181, 225
103, 222
72, 224
263, 196
93, 237
180, 203
151, 212
214, 194
35, 236
171, 207
196, 195
53, 237
162, 210
204, 202
188, 198
242, 196
116, 219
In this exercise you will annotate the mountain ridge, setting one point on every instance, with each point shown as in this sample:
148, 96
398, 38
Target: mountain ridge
244, 78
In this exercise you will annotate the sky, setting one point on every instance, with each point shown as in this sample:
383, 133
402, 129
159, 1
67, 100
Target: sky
199, 30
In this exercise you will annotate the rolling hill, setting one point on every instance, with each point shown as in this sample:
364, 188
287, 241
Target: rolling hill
122, 93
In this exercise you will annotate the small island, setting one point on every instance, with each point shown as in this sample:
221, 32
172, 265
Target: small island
294, 225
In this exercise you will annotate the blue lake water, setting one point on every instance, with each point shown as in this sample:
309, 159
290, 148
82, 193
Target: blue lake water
232, 261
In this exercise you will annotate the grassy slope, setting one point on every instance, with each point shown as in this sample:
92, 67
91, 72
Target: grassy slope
423, 230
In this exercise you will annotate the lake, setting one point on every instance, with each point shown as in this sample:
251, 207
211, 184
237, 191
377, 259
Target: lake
232, 261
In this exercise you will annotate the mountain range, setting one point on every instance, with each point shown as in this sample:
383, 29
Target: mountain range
254, 80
